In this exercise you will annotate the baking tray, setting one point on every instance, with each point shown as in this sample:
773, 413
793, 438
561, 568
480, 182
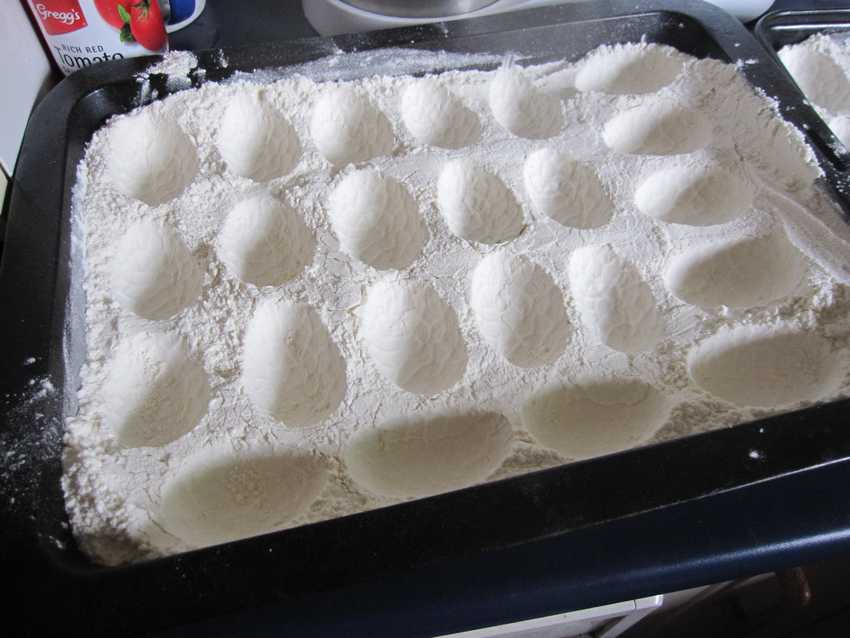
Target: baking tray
781, 28
695, 510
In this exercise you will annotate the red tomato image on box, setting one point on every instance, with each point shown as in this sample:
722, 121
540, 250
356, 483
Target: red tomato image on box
146, 24
108, 10
137, 20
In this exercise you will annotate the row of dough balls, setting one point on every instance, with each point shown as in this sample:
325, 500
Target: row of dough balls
259, 143
259, 491
264, 146
265, 243
377, 221
293, 371
766, 366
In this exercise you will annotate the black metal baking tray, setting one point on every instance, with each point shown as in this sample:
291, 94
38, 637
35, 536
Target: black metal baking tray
691, 511
777, 29
781, 28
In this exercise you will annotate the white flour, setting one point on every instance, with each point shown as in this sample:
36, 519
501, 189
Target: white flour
820, 66
514, 275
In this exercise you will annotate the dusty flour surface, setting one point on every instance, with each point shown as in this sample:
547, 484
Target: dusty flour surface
820, 66
310, 299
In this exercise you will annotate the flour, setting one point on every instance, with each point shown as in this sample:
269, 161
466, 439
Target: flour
347, 128
151, 169
291, 368
175, 64
436, 117
734, 363
819, 66
413, 337
255, 141
629, 70
658, 127
743, 273
156, 277
283, 337
701, 194
566, 190
519, 310
521, 108
155, 392
615, 303
421, 458
264, 493
178, 68
264, 242
376, 220
476, 204
627, 410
